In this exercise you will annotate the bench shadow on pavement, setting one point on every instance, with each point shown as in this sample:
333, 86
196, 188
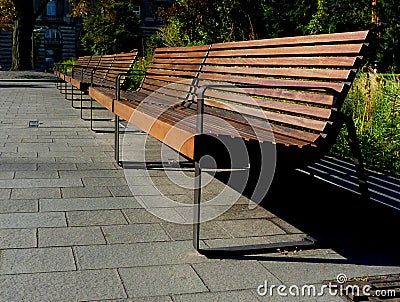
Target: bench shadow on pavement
323, 205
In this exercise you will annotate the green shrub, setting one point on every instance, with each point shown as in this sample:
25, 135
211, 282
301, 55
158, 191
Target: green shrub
137, 73
66, 66
374, 104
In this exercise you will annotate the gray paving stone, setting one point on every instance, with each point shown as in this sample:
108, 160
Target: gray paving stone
35, 260
19, 205
185, 231
135, 233
102, 181
120, 191
62, 286
144, 216
17, 238
76, 159
137, 254
56, 166
41, 183
214, 243
17, 166
78, 204
96, 217
32, 220
231, 296
35, 193
36, 174
161, 280
253, 227
233, 275
143, 299
70, 236
85, 192
5, 193
95, 166
92, 173
6, 175
20, 154
242, 211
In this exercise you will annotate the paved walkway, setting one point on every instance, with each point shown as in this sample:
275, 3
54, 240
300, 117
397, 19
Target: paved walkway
71, 229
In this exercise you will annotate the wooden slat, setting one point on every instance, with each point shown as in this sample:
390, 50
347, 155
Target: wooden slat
299, 96
317, 112
323, 74
334, 62
320, 50
359, 36
273, 83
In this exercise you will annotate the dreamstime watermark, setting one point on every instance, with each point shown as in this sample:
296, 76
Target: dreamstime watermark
338, 288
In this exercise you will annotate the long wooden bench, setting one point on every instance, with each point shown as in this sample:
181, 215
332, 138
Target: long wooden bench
99, 71
282, 94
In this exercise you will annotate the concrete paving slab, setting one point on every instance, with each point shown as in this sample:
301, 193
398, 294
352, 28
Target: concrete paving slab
83, 204
233, 275
164, 280
135, 233
35, 193
70, 236
62, 286
35, 260
32, 220
95, 217
19, 205
17, 238
137, 254
231, 296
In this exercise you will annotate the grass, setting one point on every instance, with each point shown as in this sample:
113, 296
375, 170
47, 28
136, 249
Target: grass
374, 104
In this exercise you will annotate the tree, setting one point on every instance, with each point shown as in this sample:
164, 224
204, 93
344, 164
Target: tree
388, 31
110, 26
23, 15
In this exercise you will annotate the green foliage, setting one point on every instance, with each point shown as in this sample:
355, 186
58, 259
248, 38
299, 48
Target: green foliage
374, 104
137, 73
287, 18
66, 66
111, 27
388, 31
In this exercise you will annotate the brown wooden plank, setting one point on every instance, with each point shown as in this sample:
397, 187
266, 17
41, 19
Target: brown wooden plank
174, 137
293, 120
317, 112
359, 36
297, 96
320, 50
323, 74
273, 83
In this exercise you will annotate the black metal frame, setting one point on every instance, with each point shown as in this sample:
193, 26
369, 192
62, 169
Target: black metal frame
308, 242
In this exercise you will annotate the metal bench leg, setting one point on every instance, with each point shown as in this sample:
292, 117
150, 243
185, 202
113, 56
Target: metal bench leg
92, 121
357, 156
231, 251
116, 142
72, 96
196, 209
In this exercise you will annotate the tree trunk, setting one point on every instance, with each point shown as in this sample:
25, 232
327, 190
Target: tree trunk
22, 36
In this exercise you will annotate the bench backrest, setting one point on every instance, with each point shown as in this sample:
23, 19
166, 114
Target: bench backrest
101, 69
298, 84
109, 66
122, 63
172, 72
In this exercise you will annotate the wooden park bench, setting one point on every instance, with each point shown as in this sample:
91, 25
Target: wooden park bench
282, 93
96, 70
